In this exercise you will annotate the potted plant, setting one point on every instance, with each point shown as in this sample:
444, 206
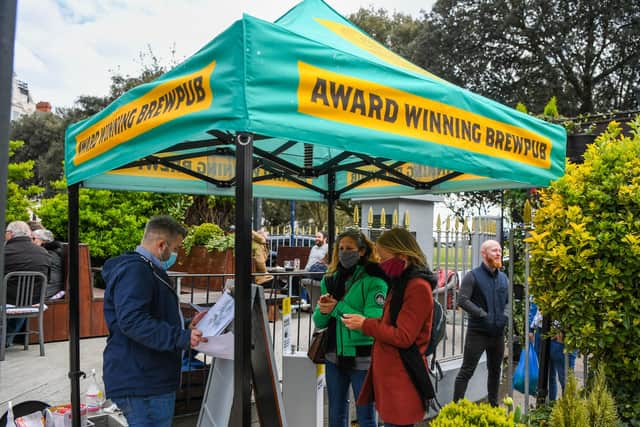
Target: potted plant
206, 250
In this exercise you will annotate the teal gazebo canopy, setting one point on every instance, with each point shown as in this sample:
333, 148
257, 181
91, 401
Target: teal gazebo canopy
319, 96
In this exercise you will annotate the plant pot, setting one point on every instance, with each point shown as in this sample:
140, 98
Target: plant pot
201, 261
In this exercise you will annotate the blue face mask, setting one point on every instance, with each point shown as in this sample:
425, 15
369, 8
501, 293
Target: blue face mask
172, 260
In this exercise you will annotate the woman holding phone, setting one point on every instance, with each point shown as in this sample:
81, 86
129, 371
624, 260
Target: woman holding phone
353, 285
401, 335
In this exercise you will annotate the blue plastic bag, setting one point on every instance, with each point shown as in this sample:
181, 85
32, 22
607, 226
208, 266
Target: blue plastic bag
518, 376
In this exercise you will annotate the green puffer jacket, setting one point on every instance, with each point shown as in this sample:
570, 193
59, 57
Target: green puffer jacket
364, 295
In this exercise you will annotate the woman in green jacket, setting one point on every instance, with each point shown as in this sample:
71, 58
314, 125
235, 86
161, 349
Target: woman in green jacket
353, 284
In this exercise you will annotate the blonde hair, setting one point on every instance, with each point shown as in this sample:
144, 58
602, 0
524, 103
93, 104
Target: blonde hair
399, 241
361, 241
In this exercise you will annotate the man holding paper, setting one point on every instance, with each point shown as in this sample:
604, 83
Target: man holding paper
146, 330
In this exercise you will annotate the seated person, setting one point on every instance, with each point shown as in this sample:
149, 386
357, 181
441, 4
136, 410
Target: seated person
20, 254
55, 283
318, 251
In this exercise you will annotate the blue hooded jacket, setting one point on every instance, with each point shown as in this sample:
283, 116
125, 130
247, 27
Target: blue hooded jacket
146, 334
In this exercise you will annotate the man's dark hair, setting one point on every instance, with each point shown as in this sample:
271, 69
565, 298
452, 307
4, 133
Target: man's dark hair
163, 226
324, 233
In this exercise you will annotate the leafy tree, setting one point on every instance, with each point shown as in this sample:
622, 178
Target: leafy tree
586, 53
584, 265
277, 213
43, 134
219, 210
111, 222
397, 32
17, 196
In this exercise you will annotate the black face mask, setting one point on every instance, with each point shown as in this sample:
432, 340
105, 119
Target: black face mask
348, 259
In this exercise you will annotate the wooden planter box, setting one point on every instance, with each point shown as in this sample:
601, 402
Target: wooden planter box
201, 261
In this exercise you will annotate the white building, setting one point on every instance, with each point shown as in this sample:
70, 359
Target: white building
21, 100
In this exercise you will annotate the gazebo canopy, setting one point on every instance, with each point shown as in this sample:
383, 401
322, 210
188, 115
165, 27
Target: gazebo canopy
320, 97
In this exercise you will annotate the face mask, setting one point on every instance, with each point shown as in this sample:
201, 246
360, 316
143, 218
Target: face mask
393, 267
172, 260
348, 258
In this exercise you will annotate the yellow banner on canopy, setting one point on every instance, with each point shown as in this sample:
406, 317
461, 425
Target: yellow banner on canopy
164, 103
346, 99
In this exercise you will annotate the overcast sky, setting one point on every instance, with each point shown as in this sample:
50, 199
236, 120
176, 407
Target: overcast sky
67, 48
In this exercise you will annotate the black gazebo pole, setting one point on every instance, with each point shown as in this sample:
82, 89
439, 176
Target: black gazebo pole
7, 37
241, 410
74, 309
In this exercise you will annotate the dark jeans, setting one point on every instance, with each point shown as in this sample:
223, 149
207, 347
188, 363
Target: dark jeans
149, 411
556, 367
14, 325
338, 382
475, 344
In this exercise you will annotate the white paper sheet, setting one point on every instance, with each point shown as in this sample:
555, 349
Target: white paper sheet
220, 346
218, 317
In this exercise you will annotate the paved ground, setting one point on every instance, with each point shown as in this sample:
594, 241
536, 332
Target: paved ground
24, 375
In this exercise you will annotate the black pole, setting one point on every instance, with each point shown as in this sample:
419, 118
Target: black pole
331, 202
543, 374
74, 308
7, 37
241, 411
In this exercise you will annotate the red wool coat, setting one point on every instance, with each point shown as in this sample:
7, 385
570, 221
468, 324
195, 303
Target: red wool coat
387, 382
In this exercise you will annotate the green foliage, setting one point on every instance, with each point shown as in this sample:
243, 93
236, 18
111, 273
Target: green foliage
468, 414
110, 222
601, 407
43, 134
570, 410
18, 173
396, 32
585, 52
551, 109
522, 108
209, 235
539, 416
584, 263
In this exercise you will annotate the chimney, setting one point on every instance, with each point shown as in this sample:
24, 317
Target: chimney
43, 106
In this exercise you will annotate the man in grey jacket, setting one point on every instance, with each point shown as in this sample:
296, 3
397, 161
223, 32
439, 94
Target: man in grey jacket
484, 296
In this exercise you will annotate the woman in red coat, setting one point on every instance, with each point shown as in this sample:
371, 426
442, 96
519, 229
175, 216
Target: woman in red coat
410, 304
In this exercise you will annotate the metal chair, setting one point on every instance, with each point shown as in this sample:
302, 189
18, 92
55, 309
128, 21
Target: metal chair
30, 287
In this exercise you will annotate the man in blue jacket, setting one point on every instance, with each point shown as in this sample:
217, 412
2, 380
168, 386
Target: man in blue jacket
146, 329
484, 296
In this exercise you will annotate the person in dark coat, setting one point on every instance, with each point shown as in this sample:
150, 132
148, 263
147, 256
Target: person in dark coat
142, 359
20, 254
45, 238
405, 326
484, 296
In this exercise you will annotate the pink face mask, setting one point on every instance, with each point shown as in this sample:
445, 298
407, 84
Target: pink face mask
393, 267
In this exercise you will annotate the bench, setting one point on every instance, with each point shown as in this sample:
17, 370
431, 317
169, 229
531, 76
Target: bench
90, 301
